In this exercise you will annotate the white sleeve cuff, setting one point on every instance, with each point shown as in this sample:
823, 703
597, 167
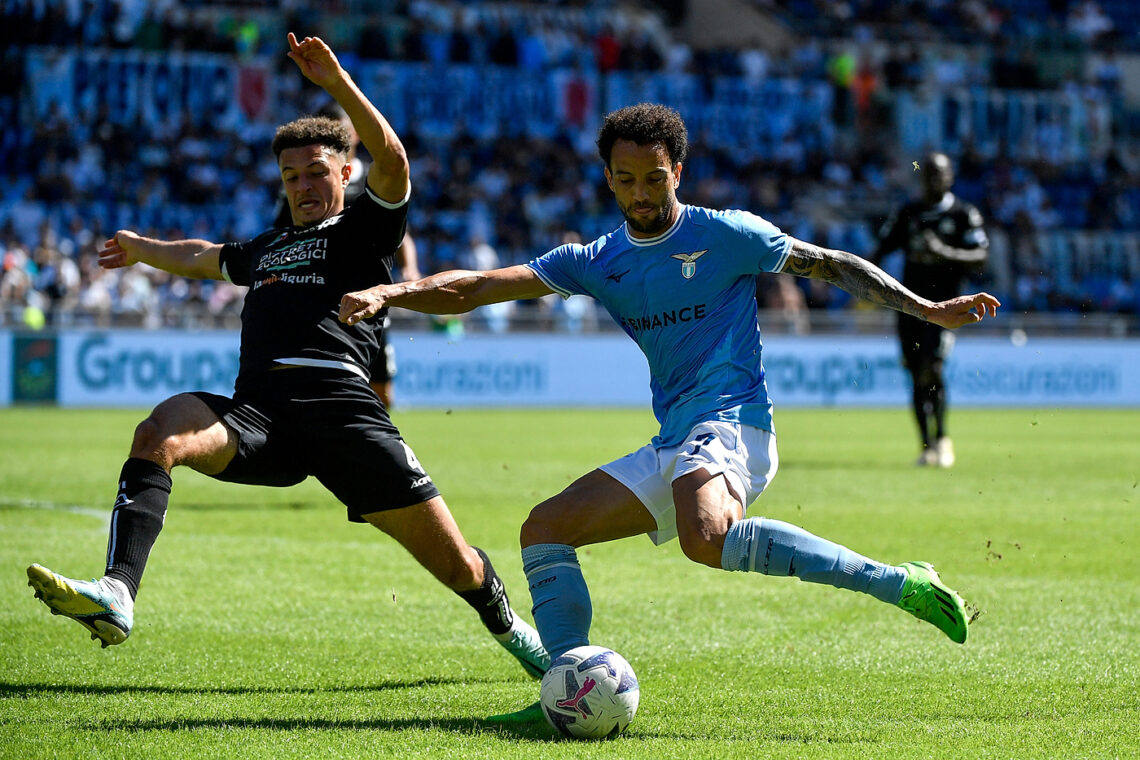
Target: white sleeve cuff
560, 291
385, 203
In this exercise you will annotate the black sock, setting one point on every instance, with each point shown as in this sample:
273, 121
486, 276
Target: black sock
938, 401
921, 415
140, 508
490, 599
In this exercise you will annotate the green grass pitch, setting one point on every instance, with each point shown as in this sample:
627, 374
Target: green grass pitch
269, 627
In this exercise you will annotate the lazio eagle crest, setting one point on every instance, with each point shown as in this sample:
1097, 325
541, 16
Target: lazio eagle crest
689, 262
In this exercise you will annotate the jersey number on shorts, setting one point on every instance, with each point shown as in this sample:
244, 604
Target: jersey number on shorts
700, 441
412, 461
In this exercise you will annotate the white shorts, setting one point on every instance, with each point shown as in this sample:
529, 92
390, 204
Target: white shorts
745, 455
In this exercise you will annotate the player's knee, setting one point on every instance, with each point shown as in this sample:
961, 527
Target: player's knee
534, 530
701, 546
149, 441
542, 527
155, 441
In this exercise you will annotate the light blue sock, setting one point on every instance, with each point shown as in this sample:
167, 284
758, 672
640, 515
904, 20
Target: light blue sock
771, 547
562, 610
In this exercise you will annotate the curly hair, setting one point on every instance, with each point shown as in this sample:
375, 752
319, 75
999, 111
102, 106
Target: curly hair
645, 124
312, 130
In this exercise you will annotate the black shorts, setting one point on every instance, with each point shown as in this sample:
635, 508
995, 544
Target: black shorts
923, 342
335, 430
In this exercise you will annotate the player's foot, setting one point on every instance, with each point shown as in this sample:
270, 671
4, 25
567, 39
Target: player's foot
529, 714
928, 458
97, 605
925, 596
945, 451
523, 643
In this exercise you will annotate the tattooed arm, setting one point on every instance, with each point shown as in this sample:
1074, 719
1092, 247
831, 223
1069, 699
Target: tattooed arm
863, 279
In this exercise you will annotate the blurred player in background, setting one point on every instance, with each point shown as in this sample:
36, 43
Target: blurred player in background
382, 373
944, 245
680, 280
301, 403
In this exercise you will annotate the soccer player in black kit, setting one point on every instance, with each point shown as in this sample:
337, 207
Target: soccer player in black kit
302, 404
382, 373
944, 244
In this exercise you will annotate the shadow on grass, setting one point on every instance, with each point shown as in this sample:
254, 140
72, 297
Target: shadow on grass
535, 730
100, 510
32, 689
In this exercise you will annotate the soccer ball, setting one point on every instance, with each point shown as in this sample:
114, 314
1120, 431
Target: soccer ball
590, 693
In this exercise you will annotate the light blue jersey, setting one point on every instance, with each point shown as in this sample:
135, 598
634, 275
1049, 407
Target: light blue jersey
688, 297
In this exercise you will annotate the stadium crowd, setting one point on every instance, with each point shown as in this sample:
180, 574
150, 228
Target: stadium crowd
830, 157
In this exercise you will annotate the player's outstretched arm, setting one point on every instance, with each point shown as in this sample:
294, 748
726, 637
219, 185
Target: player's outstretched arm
861, 278
963, 310
453, 292
388, 176
187, 258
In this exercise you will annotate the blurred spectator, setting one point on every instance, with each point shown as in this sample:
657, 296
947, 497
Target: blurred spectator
819, 124
782, 304
1088, 21
480, 256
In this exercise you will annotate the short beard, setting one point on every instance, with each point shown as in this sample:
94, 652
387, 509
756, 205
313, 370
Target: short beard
652, 226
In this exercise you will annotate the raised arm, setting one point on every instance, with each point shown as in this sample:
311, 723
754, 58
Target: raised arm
388, 176
452, 292
187, 258
863, 279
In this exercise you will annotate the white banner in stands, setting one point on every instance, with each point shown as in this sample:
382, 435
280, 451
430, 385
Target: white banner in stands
519, 370
801, 371
141, 368
982, 371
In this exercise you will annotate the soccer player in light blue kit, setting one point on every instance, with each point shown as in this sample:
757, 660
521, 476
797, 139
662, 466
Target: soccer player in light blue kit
680, 281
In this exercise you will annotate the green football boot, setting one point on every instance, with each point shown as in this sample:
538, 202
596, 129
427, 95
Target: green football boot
529, 714
523, 643
94, 604
925, 596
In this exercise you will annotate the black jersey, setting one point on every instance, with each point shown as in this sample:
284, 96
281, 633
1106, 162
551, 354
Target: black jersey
296, 277
956, 223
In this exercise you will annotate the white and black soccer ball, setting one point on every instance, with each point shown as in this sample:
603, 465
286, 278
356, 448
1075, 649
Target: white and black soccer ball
590, 693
